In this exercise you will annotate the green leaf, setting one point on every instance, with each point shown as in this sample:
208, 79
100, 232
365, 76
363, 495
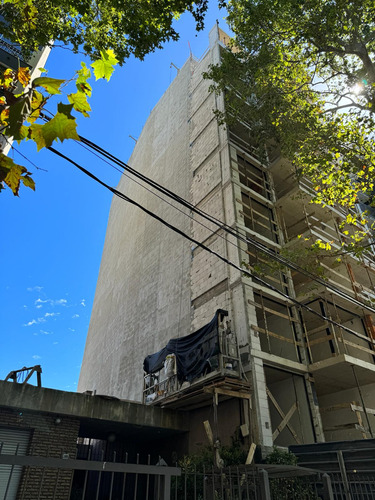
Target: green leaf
79, 102
18, 113
66, 109
37, 103
28, 182
51, 85
83, 75
104, 67
60, 127
12, 174
23, 133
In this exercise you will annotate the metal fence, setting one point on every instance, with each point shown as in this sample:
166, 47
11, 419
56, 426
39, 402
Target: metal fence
52, 478
42, 478
350, 465
354, 486
92, 480
261, 482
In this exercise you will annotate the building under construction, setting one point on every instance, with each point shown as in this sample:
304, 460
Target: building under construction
289, 356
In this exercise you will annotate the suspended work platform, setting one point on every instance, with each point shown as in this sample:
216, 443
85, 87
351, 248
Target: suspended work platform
191, 370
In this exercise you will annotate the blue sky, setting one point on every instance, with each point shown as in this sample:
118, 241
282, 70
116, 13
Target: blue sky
52, 240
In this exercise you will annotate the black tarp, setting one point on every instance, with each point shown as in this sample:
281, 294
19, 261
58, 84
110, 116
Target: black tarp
192, 352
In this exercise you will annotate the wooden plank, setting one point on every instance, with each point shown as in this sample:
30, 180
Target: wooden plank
275, 335
339, 406
250, 455
276, 313
360, 423
244, 428
360, 347
318, 329
285, 421
267, 276
345, 427
227, 392
282, 414
370, 326
257, 221
250, 193
355, 407
320, 340
207, 428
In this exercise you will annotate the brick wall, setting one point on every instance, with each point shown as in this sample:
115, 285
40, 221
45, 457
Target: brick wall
48, 439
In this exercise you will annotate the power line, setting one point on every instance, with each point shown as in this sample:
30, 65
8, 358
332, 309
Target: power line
204, 247
234, 232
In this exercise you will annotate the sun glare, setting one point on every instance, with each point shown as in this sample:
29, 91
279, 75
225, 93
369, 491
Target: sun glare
357, 88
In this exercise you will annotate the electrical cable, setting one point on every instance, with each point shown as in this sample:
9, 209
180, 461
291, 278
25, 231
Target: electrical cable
234, 232
204, 247
26, 158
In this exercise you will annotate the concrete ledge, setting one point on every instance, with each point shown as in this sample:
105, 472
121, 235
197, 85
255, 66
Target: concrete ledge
82, 406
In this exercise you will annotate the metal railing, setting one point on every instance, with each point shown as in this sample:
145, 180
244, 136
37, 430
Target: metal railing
86, 479
72, 479
247, 482
350, 465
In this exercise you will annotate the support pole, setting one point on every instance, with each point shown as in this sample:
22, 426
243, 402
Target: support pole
165, 487
327, 487
363, 402
341, 461
264, 483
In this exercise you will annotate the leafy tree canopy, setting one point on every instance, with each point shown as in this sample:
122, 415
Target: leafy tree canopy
108, 31
19, 112
302, 75
126, 27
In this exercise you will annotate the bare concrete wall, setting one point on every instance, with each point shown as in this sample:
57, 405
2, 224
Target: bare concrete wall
143, 292
228, 423
334, 421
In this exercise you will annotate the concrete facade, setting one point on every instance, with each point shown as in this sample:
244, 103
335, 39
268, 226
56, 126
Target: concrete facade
143, 290
154, 285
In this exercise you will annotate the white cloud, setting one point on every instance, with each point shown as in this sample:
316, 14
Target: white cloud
42, 319
75, 316
83, 302
55, 343
35, 322
44, 332
40, 301
57, 302
35, 289
37, 357
72, 329
39, 306
60, 302
32, 322
51, 315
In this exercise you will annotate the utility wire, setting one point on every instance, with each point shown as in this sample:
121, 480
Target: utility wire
204, 247
234, 232
221, 225
27, 159
23, 156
